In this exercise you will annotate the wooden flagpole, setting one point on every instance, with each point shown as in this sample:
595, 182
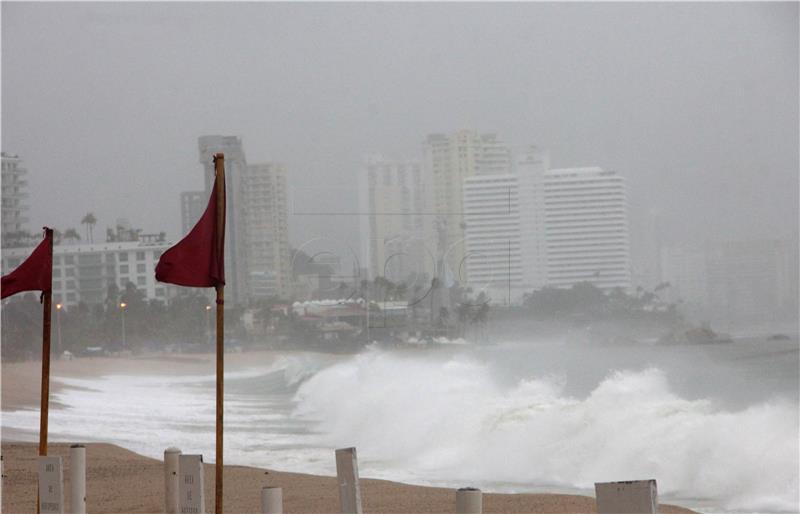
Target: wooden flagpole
219, 167
44, 407
45, 390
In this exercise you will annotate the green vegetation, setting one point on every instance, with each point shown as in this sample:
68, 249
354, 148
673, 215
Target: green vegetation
586, 302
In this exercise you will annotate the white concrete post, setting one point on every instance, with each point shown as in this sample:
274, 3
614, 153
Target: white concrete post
190, 484
77, 479
271, 500
171, 497
347, 475
630, 497
469, 501
51, 486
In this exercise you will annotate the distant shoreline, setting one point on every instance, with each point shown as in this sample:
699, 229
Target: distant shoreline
21, 380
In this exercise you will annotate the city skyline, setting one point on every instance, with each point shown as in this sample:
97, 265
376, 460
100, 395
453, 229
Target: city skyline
711, 114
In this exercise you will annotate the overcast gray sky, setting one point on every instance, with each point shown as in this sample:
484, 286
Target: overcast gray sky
696, 104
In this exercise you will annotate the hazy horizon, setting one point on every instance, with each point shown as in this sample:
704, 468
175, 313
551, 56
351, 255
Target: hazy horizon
695, 104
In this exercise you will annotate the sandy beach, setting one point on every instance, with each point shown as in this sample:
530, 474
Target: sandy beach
121, 481
125, 482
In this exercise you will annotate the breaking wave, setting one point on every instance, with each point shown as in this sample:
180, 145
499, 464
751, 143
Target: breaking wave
452, 418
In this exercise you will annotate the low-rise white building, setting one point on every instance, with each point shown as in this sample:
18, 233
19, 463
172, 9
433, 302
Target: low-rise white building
83, 273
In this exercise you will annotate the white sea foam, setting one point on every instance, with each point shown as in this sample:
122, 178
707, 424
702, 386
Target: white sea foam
453, 419
450, 417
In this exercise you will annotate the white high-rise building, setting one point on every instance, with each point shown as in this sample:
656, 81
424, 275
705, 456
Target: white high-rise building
14, 192
494, 157
492, 230
752, 280
530, 168
266, 233
193, 205
586, 228
393, 206
538, 227
257, 260
504, 229
447, 162
235, 169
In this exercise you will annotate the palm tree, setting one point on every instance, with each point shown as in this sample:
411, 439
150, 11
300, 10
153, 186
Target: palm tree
89, 220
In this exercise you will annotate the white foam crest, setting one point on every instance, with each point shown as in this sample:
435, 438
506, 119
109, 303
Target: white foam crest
146, 413
451, 418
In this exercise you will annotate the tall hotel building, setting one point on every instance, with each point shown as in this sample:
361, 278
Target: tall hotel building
266, 232
537, 227
447, 162
586, 228
235, 168
256, 236
504, 229
14, 188
492, 234
193, 205
393, 214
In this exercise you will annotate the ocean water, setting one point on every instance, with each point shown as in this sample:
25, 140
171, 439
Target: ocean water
716, 425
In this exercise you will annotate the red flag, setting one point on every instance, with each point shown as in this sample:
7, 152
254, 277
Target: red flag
35, 274
198, 259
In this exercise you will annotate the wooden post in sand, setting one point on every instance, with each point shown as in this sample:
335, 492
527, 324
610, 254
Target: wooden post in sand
77, 479
271, 500
629, 497
469, 501
347, 477
171, 467
51, 486
190, 484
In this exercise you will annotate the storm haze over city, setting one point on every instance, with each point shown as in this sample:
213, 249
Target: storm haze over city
695, 104
545, 252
